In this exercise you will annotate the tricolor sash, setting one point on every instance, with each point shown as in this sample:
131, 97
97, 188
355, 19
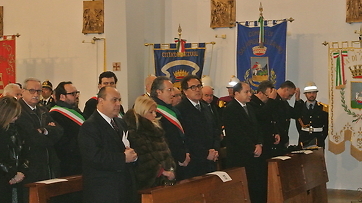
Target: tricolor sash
170, 116
69, 113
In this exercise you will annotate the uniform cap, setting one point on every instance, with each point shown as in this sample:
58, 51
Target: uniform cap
233, 81
206, 81
310, 87
47, 84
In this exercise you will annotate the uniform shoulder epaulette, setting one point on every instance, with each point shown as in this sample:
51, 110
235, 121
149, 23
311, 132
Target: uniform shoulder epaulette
325, 106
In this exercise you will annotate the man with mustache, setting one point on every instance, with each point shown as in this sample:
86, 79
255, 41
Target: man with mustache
39, 132
67, 114
312, 125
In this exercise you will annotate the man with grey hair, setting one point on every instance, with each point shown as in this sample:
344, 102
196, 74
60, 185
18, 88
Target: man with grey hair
162, 93
40, 133
12, 90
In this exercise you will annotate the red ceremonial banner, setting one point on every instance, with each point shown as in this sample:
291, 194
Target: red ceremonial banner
7, 61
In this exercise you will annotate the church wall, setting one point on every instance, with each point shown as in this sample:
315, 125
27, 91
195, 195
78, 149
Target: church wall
50, 47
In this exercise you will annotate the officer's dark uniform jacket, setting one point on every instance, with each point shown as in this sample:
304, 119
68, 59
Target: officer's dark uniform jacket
315, 123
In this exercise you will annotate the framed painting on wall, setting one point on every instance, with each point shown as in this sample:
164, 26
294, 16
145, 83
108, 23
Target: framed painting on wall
93, 17
353, 11
223, 13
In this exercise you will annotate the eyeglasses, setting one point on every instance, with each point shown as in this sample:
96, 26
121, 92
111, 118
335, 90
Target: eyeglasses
32, 91
194, 87
74, 93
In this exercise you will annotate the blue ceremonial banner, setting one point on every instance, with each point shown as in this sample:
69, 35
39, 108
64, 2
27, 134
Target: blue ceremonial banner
258, 63
176, 65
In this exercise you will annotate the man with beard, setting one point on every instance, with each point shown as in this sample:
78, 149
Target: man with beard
67, 114
312, 125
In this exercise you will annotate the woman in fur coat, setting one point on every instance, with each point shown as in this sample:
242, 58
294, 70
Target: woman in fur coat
155, 165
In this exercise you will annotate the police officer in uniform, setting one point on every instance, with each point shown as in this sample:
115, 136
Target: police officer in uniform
313, 122
47, 95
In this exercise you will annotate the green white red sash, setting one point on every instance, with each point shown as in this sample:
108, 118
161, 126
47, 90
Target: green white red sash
170, 116
69, 113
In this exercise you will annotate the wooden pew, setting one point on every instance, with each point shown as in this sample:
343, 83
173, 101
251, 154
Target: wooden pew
301, 179
207, 188
42, 192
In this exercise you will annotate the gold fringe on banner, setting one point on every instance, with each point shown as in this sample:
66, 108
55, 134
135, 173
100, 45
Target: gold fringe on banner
344, 114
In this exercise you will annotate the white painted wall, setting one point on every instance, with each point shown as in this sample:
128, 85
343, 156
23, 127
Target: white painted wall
50, 47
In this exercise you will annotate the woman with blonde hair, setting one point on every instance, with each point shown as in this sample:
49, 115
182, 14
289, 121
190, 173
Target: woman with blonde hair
155, 165
10, 146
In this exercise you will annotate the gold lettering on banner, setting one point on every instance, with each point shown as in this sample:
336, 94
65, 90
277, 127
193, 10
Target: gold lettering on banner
174, 54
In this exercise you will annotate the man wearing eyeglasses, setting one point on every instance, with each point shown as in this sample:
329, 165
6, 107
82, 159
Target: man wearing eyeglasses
197, 121
67, 114
39, 132
284, 112
162, 91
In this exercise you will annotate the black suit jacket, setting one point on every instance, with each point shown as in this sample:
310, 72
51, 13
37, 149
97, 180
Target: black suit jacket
106, 176
200, 137
67, 147
43, 161
242, 133
283, 113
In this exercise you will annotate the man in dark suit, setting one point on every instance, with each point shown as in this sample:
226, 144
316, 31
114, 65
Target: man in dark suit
244, 140
107, 78
67, 114
106, 155
39, 132
284, 112
197, 121
162, 93
263, 102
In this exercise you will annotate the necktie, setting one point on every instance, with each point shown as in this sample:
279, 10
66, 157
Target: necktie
210, 108
310, 107
114, 125
246, 110
198, 107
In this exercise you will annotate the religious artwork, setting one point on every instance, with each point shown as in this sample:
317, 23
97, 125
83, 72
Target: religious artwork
93, 17
223, 13
353, 11
345, 97
1, 20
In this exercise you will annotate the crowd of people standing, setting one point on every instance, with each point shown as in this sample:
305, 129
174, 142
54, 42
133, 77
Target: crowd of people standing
168, 135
